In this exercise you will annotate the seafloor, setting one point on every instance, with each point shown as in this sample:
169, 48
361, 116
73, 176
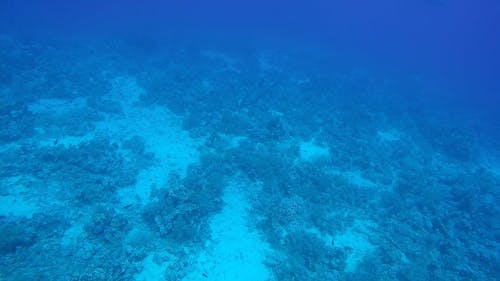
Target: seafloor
125, 161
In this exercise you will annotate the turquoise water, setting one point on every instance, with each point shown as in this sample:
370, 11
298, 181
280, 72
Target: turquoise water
231, 142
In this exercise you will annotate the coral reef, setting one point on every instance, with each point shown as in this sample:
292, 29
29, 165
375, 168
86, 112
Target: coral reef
16, 122
345, 173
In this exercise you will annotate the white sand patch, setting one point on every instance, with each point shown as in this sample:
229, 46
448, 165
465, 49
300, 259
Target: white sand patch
58, 109
139, 237
264, 64
233, 140
72, 235
389, 135
161, 130
493, 164
327, 238
152, 269
7, 146
14, 200
311, 151
235, 252
356, 238
496, 171
59, 106
265, 61
17, 206
357, 179
67, 141
230, 63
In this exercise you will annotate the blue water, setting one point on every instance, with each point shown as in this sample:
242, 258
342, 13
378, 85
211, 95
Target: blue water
249, 140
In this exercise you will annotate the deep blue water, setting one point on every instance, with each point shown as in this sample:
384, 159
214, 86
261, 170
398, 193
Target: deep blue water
249, 140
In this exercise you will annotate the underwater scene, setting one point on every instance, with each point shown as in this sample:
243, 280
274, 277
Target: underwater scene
249, 141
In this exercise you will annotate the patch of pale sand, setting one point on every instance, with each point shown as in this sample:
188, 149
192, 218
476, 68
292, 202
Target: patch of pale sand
311, 151
7, 146
389, 135
355, 238
60, 107
152, 269
73, 235
235, 252
14, 199
326, 237
172, 147
67, 141
356, 178
496, 170
492, 163
266, 62
233, 141
17, 206
230, 63
162, 132
140, 236
125, 91
43, 106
